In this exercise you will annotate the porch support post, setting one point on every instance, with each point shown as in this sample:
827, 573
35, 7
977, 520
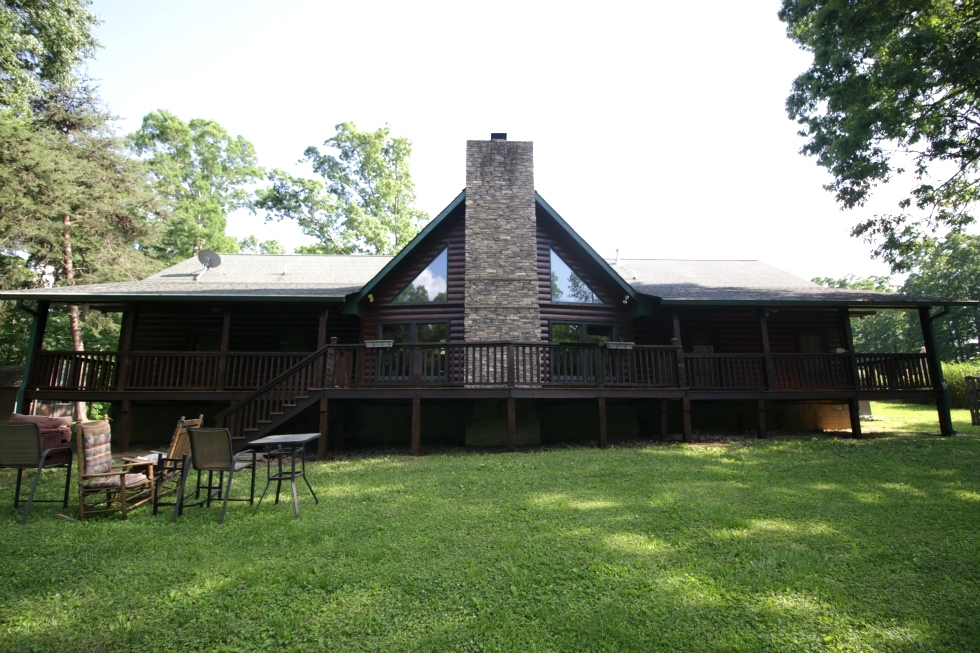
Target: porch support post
416, 426
770, 376
936, 372
511, 424
321, 452
125, 345
223, 351
663, 418
603, 432
847, 333
33, 346
676, 342
126, 417
760, 408
321, 332
686, 407
853, 409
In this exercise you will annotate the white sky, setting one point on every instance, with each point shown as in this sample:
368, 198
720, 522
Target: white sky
659, 128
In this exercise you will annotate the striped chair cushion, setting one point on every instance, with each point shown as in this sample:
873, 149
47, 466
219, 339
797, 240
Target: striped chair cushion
98, 455
132, 480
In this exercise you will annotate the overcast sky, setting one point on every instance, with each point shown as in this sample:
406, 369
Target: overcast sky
659, 128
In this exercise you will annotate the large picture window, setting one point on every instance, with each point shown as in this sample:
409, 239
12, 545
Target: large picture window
397, 363
414, 332
566, 286
573, 333
431, 285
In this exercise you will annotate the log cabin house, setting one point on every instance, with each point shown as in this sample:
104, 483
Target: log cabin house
496, 325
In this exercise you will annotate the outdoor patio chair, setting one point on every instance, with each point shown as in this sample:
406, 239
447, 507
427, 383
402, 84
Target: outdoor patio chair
211, 452
21, 448
102, 486
169, 465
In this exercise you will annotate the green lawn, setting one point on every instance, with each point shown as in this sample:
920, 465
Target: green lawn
794, 543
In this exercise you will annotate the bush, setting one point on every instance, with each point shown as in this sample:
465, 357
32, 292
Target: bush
955, 375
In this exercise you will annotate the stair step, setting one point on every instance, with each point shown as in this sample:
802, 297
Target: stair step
263, 421
276, 413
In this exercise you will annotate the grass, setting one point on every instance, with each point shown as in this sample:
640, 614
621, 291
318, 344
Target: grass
793, 543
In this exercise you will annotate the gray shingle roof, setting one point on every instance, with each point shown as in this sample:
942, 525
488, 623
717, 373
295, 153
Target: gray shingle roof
316, 278
238, 276
688, 281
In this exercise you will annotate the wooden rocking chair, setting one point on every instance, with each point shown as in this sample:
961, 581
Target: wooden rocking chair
102, 486
169, 464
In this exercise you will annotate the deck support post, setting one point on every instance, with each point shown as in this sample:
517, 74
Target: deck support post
936, 371
686, 409
323, 444
603, 432
760, 408
663, 419
416, 426
853, 408
511, 424
126, 417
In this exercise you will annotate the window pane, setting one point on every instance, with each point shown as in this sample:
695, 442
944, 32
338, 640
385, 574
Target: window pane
434, 332
431, 285
566, 333
598, 334
566, 286
398, 332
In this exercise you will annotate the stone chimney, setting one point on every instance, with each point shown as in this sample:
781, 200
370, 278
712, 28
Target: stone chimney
501, 243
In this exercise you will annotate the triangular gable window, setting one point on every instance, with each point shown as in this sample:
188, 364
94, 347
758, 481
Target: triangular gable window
431, 285
566, 286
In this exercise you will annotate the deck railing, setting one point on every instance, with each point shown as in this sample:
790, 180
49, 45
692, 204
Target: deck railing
480, 364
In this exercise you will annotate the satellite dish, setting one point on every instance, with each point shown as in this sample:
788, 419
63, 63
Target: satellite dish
209, 260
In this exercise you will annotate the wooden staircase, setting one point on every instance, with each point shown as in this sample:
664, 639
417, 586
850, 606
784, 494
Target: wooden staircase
279, 400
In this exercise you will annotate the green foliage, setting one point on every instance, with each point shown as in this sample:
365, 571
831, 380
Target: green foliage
951, 268
893, 83
201, 173
70, 199
885, 331
251, 245
785, 544
42, 42
955, 376
364, 204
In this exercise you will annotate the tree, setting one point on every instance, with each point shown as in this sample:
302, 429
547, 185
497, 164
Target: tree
365, 204
886, 331
251, 245
201, 173
893, 83
951, 268
42, 42
74, 208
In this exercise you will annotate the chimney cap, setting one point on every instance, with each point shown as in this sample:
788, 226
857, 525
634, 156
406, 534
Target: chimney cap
498, 136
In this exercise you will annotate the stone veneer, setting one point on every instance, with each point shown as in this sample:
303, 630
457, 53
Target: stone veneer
501, 244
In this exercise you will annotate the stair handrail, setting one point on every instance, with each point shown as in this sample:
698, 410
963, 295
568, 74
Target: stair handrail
286, 374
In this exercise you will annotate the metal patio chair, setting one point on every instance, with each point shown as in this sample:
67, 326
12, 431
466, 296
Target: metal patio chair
20, 449
212, 452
